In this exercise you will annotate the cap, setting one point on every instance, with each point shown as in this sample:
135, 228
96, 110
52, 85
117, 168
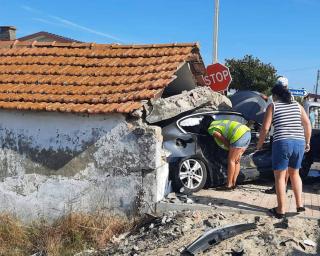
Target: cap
282, 81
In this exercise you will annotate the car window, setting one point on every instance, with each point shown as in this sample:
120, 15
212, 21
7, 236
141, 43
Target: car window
314, 117
192, 123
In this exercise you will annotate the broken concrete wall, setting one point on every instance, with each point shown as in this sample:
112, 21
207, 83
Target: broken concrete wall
165, 108
54, 163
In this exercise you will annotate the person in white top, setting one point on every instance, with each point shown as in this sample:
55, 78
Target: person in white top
291, 138
285, 83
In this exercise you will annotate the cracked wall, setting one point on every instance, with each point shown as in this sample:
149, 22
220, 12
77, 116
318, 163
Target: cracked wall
54, 163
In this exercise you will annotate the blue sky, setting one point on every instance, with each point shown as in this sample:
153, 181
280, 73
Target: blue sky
284, 33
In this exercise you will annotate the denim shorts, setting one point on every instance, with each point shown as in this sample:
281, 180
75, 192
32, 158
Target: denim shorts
287, 153
243, 142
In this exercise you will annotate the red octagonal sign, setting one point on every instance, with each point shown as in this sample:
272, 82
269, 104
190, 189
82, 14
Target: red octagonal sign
218, 77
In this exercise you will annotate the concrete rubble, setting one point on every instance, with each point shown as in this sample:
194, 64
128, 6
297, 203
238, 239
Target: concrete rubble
166, 108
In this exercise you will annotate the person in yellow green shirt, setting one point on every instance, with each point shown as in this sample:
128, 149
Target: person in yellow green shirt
233, 137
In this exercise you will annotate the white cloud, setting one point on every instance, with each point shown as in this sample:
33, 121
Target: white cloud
29, 9
80, 27
59, 21
45, 21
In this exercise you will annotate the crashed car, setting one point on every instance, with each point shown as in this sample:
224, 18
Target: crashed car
196, 161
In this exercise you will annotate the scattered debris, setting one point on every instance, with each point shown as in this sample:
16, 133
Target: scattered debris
309, 242
235, 253
189, 201
257, 219
284, 224
284, 243
215, 236
302, 246
168, 235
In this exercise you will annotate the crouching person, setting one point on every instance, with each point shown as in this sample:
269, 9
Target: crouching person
233, 137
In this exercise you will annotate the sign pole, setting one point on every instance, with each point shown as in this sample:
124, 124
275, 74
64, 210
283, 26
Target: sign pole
215, 31
317, 84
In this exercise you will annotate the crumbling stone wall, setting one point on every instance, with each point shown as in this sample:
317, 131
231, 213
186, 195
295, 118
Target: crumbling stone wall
54, 163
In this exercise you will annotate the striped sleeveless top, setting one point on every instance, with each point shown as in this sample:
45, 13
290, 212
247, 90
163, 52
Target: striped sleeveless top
287, 121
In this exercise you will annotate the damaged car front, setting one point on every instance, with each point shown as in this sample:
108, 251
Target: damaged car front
196, 161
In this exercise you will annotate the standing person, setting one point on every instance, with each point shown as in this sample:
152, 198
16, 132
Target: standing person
285, 83
291, 138
233, 137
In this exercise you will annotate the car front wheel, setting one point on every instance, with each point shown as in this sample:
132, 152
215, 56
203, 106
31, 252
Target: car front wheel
191, 176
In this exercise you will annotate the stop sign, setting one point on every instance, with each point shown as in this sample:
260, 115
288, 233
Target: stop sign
218, 77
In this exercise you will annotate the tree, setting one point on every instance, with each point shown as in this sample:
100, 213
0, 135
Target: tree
251, 74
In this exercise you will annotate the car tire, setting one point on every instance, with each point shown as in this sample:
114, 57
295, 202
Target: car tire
190, 176
305, 166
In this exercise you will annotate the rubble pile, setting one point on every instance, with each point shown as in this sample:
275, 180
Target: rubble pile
171, 233
165, 108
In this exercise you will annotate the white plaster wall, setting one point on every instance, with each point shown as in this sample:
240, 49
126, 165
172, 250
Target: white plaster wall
55, 130
54, 163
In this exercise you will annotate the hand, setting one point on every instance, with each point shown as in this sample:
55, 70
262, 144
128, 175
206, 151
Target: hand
307, 148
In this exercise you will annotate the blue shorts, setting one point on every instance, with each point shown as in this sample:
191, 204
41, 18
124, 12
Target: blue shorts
287, 153
243, 142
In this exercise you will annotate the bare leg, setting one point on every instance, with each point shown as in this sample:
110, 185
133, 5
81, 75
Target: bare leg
233, 165
280, 182
296, 184
231, 168
236, 174
287, 178
237, 167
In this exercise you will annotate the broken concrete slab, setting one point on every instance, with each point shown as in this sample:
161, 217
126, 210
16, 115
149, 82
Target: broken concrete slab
166, 108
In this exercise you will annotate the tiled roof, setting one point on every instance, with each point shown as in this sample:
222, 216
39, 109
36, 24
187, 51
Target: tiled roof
49, 36
89, 78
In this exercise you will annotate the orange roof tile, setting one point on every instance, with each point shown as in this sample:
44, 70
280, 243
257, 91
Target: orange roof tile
88, 77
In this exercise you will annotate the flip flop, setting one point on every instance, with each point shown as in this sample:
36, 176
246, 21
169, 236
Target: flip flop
301, 209
277, 215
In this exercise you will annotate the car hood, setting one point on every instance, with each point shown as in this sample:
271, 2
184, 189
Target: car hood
250, 104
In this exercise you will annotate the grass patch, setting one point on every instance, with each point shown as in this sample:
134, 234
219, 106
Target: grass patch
66, 236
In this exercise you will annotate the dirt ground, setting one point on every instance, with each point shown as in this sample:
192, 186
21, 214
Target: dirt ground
171, 233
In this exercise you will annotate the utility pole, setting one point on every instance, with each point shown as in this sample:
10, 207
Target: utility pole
317, 84
215, 31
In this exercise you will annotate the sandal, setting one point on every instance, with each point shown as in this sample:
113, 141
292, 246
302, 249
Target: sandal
301, 209
277, 215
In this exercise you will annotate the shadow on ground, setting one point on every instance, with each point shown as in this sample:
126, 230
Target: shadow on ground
228, 203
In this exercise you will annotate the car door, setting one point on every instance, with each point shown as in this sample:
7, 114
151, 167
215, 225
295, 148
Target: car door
178, 143
206, 148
